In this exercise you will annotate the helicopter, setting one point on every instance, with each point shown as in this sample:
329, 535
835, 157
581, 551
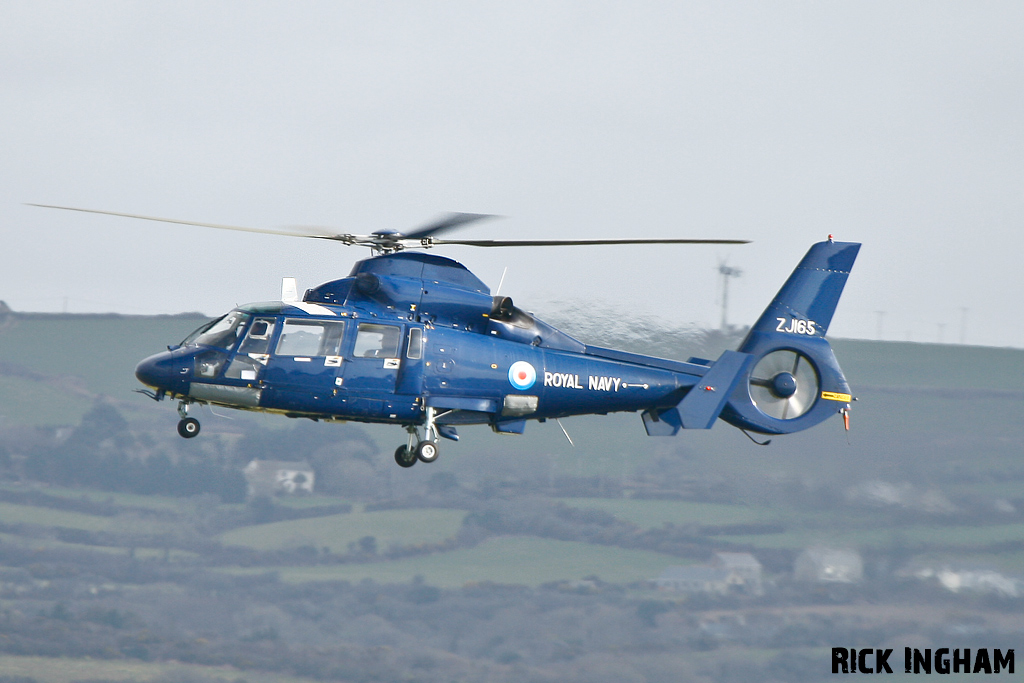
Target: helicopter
416, 340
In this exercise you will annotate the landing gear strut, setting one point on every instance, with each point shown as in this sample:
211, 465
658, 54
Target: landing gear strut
425, 449
188, 427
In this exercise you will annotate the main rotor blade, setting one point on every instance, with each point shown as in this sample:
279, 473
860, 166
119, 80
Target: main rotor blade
447, 222
577, 243
266, 231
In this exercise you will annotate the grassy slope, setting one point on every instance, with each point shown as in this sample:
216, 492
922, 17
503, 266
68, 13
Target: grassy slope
649, 514
78, 356
66, 670
399, 527
907, 364
11, 513
122, 500
101, 350
506, 560
910, 408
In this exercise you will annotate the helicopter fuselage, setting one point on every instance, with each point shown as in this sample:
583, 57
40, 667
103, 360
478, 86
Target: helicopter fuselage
333, 363
417, 340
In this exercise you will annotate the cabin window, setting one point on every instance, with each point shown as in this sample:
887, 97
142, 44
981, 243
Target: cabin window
310, 338
415, 350
377, 341
258, 339
243, 367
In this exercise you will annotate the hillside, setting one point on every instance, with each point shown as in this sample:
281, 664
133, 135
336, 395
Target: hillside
127, 553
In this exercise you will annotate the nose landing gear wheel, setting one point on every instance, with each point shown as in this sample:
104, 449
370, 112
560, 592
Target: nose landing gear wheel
427, 451
188, 427
404, 457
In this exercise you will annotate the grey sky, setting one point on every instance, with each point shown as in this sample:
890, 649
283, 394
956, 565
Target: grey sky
900, 125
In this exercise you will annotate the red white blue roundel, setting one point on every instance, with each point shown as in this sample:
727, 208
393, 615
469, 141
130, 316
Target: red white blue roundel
522, 375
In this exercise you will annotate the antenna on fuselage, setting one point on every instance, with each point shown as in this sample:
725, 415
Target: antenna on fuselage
289, 289
501, 281
562, 427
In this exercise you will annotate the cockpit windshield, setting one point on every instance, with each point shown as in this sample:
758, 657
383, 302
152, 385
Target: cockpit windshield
222, 333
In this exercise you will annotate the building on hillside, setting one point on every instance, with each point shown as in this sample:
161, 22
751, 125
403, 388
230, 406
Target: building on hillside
975, 580
828, 565
276, 477
697, 579
743, 565
727, 573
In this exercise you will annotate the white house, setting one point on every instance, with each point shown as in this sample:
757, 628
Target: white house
272, 477
828, 565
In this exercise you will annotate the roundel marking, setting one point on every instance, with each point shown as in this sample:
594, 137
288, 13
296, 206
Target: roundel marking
522, 375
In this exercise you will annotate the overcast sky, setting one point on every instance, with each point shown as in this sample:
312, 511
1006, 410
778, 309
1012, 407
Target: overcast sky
899, 125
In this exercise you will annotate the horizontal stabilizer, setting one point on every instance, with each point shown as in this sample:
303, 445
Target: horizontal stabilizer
666, 422
705, 401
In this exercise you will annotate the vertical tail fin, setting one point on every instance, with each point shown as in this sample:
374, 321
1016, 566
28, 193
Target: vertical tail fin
811, 293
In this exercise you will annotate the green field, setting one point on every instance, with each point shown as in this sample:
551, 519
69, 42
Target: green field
40, 544
313, 501
11, 513
389, 527
66, 670
650, 514
516, 560
29, 402
149, 502
913, 537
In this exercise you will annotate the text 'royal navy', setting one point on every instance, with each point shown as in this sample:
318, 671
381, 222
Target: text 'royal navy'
570, 381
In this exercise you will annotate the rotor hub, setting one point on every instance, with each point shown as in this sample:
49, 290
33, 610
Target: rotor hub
783, 385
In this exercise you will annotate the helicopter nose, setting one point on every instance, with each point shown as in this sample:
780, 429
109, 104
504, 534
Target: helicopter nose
157, 371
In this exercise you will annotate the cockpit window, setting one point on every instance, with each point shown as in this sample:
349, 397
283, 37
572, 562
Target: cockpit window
377, 341
310, 338
222, 333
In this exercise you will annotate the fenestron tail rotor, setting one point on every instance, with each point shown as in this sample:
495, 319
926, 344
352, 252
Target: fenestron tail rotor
388, 241
784, 384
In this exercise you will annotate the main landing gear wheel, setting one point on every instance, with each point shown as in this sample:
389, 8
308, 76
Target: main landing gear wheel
188, 427
404, 457
427, 451
423, 449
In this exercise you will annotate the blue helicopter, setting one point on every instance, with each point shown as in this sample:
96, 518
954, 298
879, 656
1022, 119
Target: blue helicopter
416, 340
